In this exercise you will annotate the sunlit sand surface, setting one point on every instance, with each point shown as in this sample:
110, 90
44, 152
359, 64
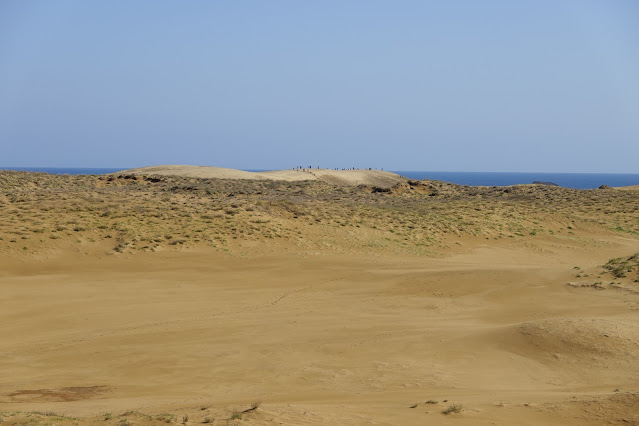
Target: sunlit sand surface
154, 299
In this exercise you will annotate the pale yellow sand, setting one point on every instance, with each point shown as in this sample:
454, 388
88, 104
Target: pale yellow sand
628, 188
336, 177
330, 325
320, 339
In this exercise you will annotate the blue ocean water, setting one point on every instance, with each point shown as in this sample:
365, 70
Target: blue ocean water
567, 180
66, 170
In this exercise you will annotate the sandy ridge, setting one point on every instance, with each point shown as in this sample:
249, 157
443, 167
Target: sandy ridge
335, 177
169, 301
628, 188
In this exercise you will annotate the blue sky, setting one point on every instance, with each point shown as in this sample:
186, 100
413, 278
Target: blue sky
549, 86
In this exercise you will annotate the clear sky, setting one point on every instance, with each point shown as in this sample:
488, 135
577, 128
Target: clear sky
540, 85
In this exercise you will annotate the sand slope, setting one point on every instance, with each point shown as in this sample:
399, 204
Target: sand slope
335, 177
136, 300
319, 340
628, 188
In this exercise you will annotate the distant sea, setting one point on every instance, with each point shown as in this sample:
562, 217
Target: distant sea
567, 180
66, 170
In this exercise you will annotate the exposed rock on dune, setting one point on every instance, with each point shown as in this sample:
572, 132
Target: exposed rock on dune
336, 177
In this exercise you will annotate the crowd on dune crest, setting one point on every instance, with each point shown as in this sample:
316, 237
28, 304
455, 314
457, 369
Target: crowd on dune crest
306, 169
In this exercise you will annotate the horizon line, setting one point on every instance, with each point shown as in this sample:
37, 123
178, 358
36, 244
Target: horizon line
273, 169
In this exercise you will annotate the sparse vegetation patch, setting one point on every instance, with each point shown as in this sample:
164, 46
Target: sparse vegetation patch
622, 267
125, 214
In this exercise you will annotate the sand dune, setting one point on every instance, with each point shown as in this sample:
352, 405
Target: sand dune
151, 301
628, 188
581, 342
318, 340
336, 177
192, 171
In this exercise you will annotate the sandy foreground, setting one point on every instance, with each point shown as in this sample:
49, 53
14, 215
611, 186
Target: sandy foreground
522, 330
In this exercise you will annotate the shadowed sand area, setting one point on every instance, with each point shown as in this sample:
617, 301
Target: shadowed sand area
392, 308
